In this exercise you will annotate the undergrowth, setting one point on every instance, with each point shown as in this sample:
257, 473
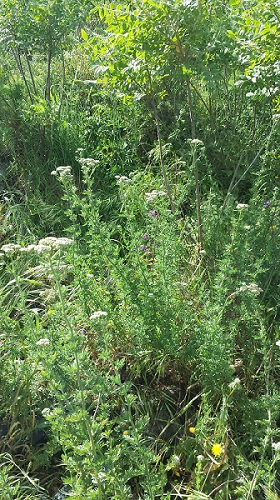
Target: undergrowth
136, 364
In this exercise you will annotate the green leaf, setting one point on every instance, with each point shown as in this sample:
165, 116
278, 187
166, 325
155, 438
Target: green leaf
84, 35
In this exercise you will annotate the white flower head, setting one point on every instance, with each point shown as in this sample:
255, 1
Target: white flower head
53, 243
122, 179
46, 412
152, 195
43, 342
251, 288
10, 248
98, 314
196, 142
29, 248
240, 206
235, 383
278, 343
62, 171
276, 446
88, 162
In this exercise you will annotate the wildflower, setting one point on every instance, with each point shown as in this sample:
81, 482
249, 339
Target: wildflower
152, 195
88, 162
46, 412
53, 243
62, 171
239, 206
143, 247
278, 343
122, 179
10, 248
29, 248
98, 314
273, 227
43, 342
145, 236
276, 446
276, 177
192, 430
199, 458
235, 383
216, 449
153, 213
251, 288
196, 142
125, 433
266, 203
247, 227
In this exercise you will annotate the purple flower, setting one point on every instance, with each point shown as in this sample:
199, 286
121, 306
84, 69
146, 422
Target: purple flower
153, 213
143, 248
266, 203
145, 236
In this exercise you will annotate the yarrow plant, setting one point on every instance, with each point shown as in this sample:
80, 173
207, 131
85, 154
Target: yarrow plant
98, 314
250, 288
153, 195
43, 342
44, 245
62, 171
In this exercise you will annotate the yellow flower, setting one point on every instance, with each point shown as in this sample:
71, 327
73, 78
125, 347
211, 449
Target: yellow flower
216, 449
272, 227
192, 430
125, 433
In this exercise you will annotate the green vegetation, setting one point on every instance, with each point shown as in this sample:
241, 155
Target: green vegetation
139, 257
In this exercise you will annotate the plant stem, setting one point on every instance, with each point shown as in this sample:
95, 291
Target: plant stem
159, 137
77, 362
195, 166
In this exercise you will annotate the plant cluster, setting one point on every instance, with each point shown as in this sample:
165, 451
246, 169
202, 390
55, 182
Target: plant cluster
139, 250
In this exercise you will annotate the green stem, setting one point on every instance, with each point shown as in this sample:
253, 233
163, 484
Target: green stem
77, 361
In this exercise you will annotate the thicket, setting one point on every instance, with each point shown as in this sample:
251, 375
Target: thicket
139, 263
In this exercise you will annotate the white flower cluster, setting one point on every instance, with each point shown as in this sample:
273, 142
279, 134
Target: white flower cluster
251, 288
10, 248
235, 383
240, 206
197, 142
46, 412
62, 171
98, 314
276, 446
43, 342
55, 243
44, 245
153, 195
122, 179
88, 162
